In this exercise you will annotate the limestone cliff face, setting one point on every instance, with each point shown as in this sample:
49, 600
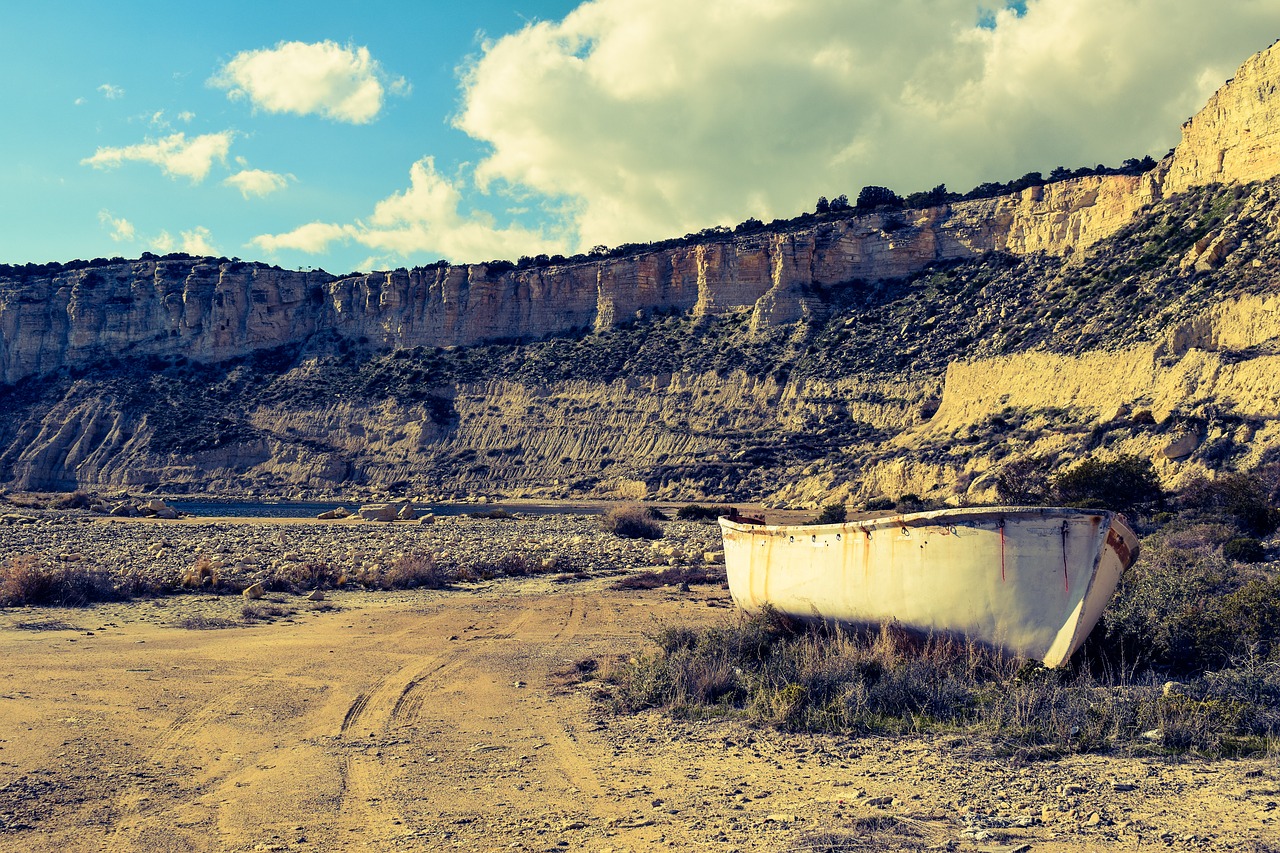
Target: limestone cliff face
211, 311
1236, 137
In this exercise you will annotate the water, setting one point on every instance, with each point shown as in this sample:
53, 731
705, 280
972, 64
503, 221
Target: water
308, 509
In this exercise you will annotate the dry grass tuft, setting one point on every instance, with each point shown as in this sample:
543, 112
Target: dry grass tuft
25, 579
630, 522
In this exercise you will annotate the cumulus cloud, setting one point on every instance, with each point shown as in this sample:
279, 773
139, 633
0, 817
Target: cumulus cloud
175, 154
427, 217
122, 230
257, 182
341, 83
312, 238
662, 116
198, 241
110, 92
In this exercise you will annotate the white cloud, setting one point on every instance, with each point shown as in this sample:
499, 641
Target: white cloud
175, 154
198, 241
186, 116
110, 92
658, 117
325, 78
312, 238
425, 218
122, 230
257, 182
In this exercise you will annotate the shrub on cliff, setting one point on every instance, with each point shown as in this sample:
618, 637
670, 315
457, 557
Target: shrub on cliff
1240, 498
630, 522
1124, 483
832, 514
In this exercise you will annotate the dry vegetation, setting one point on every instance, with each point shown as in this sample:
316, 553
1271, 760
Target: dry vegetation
1186, 658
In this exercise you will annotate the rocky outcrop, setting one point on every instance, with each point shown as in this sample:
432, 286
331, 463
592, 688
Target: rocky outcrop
1236, 137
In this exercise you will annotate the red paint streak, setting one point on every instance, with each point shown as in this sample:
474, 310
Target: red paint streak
1066, 577
1002, 550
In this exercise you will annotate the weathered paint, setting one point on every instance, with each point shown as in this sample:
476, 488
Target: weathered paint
1030, 580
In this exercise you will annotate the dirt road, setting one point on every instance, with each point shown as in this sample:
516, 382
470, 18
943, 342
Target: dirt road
428, 721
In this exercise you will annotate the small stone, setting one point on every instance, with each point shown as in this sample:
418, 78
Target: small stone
573, 824
1072, 790
1181, 446
316, 595
1094, 819
255, 591
1122, 787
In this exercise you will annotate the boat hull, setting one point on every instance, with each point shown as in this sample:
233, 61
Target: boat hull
1032, 581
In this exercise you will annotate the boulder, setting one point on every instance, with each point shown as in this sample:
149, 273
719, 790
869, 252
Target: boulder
154, 505
334, 514
254, 592
378, 512
1181, 446
429, 518
407, 512
123, 510
316, 595
167, 512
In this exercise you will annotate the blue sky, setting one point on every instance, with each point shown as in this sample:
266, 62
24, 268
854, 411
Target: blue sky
358, 136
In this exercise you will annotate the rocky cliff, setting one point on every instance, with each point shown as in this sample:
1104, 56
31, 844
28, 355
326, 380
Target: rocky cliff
865, 354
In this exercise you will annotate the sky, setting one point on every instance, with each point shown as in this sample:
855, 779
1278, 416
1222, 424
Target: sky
359, 136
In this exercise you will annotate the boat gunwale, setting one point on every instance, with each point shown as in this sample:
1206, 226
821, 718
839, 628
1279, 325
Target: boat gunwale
995, 513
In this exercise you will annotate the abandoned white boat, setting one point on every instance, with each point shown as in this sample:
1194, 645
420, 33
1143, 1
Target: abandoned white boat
1032, 581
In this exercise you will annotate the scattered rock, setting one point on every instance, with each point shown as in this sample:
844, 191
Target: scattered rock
1181, 446
254, 591
316, 595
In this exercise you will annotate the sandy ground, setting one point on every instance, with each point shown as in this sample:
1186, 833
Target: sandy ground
444, 720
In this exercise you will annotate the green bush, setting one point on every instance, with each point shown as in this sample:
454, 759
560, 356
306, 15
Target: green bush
879, 504
694, 512
630, 522
1240, 498
832, 514
1244, 549
1023, 482
1124, 483
1184, 608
